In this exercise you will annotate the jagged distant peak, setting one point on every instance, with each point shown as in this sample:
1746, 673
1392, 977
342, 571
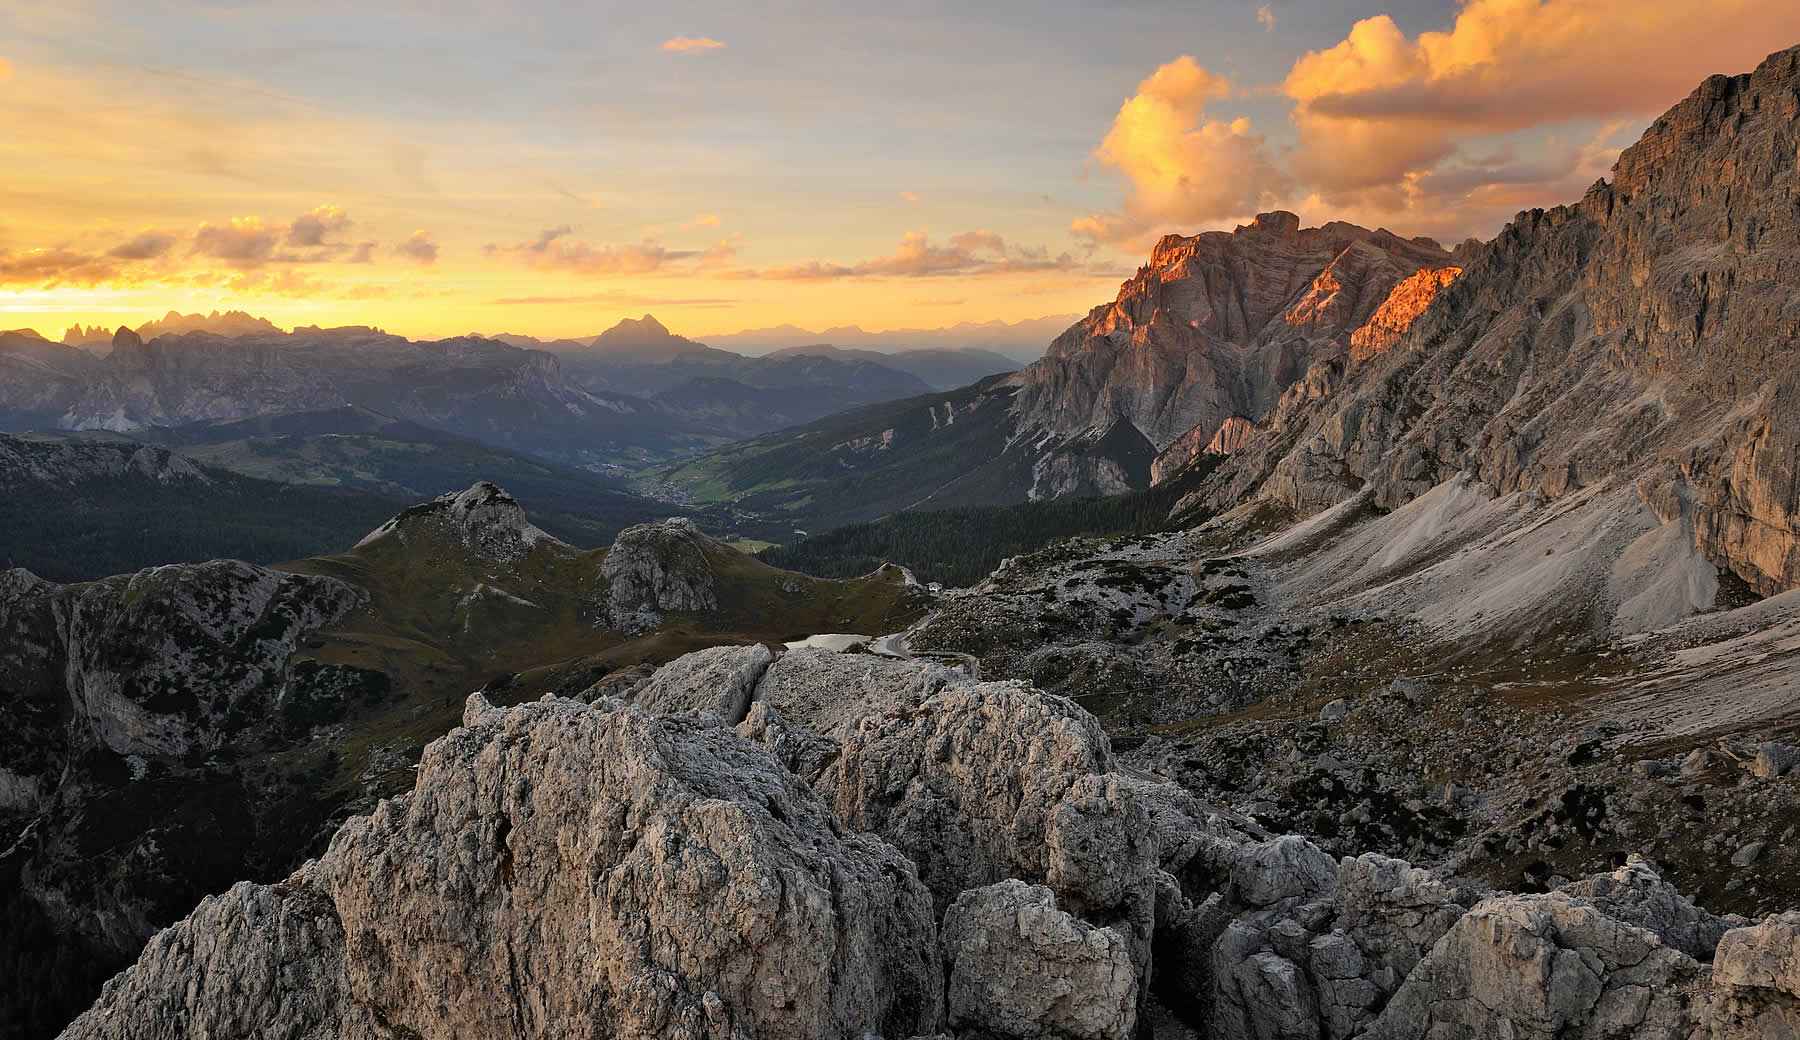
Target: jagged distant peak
79, 335
219, 323
484, 517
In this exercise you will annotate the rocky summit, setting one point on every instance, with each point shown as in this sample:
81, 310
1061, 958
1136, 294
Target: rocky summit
972, 860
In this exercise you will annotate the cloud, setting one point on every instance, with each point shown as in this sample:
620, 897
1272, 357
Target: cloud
5, 71
365, 253
1380, 106
702, 220
244, 242
618, 300
56, 268
310, 229
419, 248
910, 196
1179, 167
550, 252
146, 245
916, 257
1265, 18
691, 45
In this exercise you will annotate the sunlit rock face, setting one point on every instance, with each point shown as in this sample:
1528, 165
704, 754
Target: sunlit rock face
1397, 313
1645, 334
1217, 325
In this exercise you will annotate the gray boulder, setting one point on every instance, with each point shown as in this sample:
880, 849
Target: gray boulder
1538, 968
966, 783
1020, 969
829, 692
564, 870
661, 566
716, 681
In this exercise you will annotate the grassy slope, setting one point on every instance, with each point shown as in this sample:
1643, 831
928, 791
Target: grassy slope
812, 477
434, 646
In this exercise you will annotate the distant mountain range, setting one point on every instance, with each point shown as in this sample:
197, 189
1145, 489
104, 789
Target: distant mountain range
1210, 332
636, 393
640, 355
1021, 341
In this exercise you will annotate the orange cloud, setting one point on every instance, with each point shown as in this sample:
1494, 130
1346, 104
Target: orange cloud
702, 220
242, 242
550, 252
916, 257
1266, 18
691, 45
147, 245
910, 196
56, 268
419, 248
5, 71
1380, 107
310, 229
1180, 167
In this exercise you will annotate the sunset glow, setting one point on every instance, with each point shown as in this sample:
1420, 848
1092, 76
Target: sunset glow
730, 168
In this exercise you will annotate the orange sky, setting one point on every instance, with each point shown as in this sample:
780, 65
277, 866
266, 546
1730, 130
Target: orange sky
439, 168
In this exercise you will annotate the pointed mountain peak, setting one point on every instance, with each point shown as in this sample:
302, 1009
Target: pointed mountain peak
486, 519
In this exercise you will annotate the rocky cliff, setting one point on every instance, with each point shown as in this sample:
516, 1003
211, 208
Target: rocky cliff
1217, 325
1643, 336
970, 862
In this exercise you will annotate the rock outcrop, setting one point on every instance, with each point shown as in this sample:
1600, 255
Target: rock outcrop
599, 870
831, 693
486, 520
1396, 314
566, 870
1231, 435
1640, 338
1215, 326
1020, 969
662, 566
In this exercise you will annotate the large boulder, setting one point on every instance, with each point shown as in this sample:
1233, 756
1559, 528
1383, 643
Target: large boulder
572, 871
716, 681
1756, 982
1543, 967
966, 783
830, 692
1020, 969
661, 566
1636, 893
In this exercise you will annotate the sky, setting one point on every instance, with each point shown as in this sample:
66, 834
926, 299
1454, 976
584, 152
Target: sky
438, 167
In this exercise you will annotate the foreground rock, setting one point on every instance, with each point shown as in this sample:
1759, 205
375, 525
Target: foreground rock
565, 870
1021, 968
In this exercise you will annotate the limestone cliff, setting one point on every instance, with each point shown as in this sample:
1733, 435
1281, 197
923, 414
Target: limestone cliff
1216, 325
1645, 334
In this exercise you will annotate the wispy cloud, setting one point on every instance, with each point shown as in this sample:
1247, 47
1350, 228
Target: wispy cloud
910, 196
702, 220
146, 245
691, 45
553, 251
970, 253
1266, 18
